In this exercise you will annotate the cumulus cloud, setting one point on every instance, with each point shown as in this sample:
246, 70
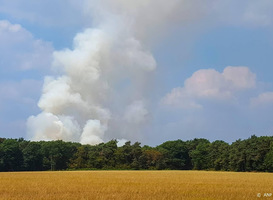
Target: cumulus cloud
218, 105
19, 50
211, 84
265, 98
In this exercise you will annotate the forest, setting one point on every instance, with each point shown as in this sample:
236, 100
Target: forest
252, 154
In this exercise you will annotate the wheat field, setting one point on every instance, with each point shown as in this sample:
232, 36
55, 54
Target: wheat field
135, 185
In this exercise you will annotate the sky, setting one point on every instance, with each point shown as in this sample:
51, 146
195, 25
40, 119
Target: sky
90, 71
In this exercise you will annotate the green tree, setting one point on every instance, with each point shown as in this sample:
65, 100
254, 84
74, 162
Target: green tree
11, 157
257, 148
198, 151
268, 160
57, 154
176, 154
238, 156
80, 158
200, 156
33, 158
108, 151
250, 154
153, 159
218, 156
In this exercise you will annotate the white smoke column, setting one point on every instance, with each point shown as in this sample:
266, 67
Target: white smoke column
105, 76
136, 113
56, 128
92, 132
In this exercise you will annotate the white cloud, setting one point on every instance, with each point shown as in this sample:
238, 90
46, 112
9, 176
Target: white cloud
239, 78
179, 97
211, 84
19, 50
265, 98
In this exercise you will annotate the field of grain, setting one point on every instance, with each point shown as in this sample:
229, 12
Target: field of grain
135, 185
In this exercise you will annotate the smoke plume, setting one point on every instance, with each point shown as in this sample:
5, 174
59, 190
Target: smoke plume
101, 91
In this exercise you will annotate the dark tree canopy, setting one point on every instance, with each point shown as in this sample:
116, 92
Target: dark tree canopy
252, 154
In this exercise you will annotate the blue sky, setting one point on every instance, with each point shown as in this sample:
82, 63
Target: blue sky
213, 76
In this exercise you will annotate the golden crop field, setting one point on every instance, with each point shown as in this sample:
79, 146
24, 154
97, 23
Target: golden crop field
135, 185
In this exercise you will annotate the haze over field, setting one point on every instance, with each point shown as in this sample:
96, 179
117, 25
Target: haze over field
150, 70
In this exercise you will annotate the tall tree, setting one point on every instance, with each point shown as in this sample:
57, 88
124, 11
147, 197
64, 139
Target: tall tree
11, 157
33, 158
176, 154
218, 155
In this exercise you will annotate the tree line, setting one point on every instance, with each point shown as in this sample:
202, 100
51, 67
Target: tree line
252, 154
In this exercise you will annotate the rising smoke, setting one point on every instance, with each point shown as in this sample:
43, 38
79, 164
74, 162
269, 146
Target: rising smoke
102, 90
